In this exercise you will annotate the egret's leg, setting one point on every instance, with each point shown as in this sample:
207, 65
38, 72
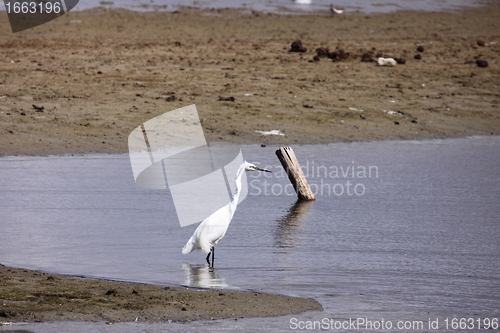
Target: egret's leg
208, 257
213, 255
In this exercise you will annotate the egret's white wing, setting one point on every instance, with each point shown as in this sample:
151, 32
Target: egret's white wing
210, 231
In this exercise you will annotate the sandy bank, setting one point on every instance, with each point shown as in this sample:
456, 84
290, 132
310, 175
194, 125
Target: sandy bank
27, 295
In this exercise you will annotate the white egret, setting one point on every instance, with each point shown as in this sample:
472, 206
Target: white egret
214, 227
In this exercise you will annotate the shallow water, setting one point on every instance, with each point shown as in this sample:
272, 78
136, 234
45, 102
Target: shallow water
284, 6
413, 237
281, 6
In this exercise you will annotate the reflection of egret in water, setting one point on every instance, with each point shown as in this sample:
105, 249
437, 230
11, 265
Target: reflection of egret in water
290, 223
202, 276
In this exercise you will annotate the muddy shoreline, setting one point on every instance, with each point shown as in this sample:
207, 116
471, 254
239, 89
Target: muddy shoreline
32, 296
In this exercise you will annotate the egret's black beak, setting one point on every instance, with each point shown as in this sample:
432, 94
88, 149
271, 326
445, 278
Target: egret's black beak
256, 168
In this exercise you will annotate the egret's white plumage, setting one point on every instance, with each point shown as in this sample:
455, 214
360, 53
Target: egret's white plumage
214, 227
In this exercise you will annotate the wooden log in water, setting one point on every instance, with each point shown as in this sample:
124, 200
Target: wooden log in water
295, 173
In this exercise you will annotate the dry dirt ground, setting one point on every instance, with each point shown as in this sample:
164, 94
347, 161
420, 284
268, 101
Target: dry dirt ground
98, 74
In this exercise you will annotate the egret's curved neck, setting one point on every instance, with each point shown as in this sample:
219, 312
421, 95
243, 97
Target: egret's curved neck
236, 197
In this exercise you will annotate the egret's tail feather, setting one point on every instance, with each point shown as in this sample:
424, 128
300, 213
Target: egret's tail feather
189, 247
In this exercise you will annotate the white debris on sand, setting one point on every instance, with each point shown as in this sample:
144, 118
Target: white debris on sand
334, 10
272, 132
392, 113
386, 62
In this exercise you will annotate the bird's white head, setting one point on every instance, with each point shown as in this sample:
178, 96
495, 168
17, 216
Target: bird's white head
253, 167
